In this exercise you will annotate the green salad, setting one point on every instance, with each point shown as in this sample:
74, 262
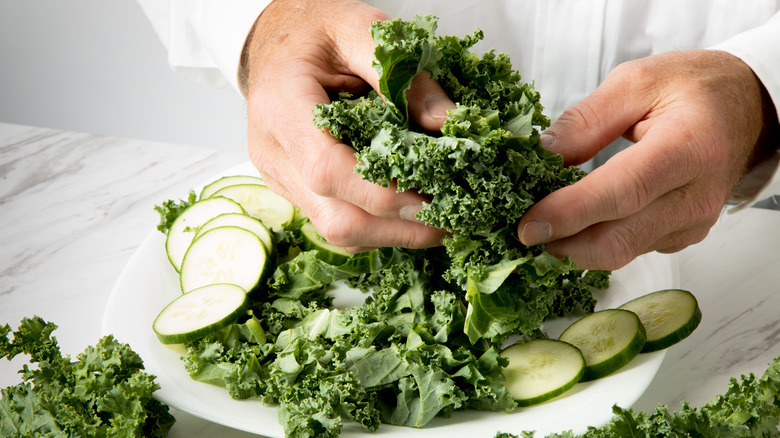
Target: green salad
427, 340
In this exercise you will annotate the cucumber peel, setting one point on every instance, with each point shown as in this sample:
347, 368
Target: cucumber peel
608, 339
227, 181
541, 370
225, 255
200, 312
668, 316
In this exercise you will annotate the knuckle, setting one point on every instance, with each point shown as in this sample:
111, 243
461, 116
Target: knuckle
336, 232
635, 194
316, 175
636, 74
621, 248
583, 116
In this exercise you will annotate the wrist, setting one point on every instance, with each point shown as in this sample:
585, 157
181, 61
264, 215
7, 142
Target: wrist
766, 153
243, 66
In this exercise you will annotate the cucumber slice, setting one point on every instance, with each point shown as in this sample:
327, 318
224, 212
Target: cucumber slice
229, 181
608, 339
246, 222
225, 255
186, 225
326, 251
261, 203
200, 312
541, 369
668, 316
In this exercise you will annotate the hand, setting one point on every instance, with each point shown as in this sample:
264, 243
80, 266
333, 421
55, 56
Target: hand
696, 118
298, 52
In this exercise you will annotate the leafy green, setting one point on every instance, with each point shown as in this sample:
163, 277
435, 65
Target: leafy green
426, 341
481, 173
104, 393
170, 210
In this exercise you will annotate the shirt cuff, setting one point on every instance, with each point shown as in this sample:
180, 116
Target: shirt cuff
222, 27
758, 49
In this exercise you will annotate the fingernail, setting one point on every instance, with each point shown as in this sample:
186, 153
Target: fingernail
547, 140
409, 212
536, 232
437, 104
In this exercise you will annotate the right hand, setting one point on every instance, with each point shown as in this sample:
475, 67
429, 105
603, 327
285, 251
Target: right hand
299, 51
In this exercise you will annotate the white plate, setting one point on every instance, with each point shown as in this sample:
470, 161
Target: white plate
148, 283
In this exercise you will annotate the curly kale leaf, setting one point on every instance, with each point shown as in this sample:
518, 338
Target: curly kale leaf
103, 393
402, 357
481, 173
170, 210
403, 49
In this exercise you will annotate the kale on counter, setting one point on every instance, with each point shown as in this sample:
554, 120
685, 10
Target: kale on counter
104, 393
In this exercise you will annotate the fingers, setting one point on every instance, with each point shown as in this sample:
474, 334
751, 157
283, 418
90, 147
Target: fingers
298, 56
678, 219
627, 183
428, 103
338, 221
600, 118
648, 197
325, 166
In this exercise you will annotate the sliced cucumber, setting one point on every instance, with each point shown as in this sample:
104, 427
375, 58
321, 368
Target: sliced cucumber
243, 221
200, 312
326, 251
186, 225
261, 203
229, 181
225, 255
608, 339
541, 369
668, 316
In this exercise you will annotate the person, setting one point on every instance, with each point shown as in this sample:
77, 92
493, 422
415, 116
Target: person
692, 87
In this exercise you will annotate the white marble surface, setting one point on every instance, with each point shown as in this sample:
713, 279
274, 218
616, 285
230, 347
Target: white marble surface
74, 207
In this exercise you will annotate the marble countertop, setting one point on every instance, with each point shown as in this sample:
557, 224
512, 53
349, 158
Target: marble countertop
75, 206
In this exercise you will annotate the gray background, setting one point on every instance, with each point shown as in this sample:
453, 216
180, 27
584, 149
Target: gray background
97, 66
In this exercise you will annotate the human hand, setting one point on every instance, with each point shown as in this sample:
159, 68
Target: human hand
298, 52
696, 117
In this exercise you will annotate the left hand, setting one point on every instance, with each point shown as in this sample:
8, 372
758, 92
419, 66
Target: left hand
696, 118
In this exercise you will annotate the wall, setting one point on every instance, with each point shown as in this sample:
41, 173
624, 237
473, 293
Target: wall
97, 66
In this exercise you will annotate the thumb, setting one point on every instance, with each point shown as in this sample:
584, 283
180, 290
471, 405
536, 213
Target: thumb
595, 122
428, 103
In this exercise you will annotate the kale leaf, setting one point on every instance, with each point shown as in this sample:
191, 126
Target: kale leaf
481, 173
426, 341
104, 393
170, 210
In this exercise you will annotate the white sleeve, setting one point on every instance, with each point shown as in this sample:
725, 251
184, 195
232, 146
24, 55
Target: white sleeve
758, 48
204, 38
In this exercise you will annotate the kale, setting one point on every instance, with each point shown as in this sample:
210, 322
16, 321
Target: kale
426, 341
104, 393
481, 173
170, 210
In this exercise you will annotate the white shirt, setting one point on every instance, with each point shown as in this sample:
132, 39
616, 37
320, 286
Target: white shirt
567, 47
